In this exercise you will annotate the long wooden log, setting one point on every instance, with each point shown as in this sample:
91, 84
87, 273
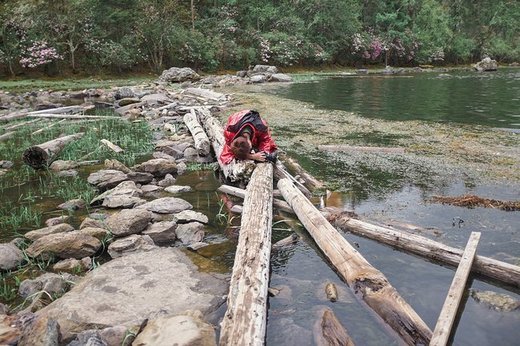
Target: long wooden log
348, 148
199, 136
370, 284
309, 181
241, 193
42, 155
7, 136
47, 127
449, 310
328, 331
487, 267
246, 317
71, 116
63, 110
235, 171
21, 124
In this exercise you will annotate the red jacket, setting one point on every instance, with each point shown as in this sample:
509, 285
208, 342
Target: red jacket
260, 140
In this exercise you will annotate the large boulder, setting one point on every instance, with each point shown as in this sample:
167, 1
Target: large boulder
75, 244
486, 64
280, 77
189, 233
178, 74
157, 167
10, 256
166, 205
42, 232
128, 221
265, 69
162, 233
124, 195
130, 244
107, 178
135, 287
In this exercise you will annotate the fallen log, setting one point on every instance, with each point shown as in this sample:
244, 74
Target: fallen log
347, 148
281, 172
246, 317
368, 282
63, 110
24, 123
328, 331
196, 130
205, 94
47, 127
7, 136
70, 116
115, 148
235, 171
42, 155
309, 181
472, 201
13, 116
290, 240
237, 192
487, 267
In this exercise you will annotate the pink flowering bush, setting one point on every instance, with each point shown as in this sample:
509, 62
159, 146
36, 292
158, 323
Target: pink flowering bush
368, 46
39, 53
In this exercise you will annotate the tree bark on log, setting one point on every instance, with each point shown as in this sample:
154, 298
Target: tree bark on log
368, 282
199, 136
246, 317
488, 267
328, 331
235, 171
42, 155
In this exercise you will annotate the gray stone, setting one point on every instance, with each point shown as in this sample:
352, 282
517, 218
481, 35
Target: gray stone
128, 221
40, 331
122, 202
496, 301
486, 64
107, 178
116, 336
73, 204
167, 181
10, 256
115, 164
259, 78
196, 246
189, 233
124, 92
177, 189
161, 155
124, 189
72, 265
155, 99
176, 75
151, 188
265, 69
6, 164
75, 244
182, 330
162, 233
96, 232
89, 222
132, 243
280, 77
129, 289
38, 233
166, 205
56, 220
52, 284
157, 167
140, 177
186, 216
181, 168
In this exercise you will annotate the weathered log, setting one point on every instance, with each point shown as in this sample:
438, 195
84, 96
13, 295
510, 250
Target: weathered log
348, 148
281, 172
63, 110
199, 136
7, 136
42, 155
20, 124
487, 267
13, 116
47, 127
449, 310
71, 116
235, 171
331, 291
245, 320
370, 284
290, 240
328, 331
237, 192
115, 148
309, 181
205, 94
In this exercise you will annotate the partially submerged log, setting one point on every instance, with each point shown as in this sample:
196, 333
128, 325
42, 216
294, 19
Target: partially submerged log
281, 172
42, 155
349, 148
328, 331
235, 171
63, 110
115, 148
290, 240
488, 267
368, 282
241, 193
199, 136
309, 181
246, 317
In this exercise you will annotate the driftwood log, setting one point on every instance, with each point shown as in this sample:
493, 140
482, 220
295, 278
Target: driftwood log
71, 116
246, 317
47, 127
7, 136
241, 193
63, 110
347, 148
328, 331
487, 267
308, 180
21, 124
368, 282
235, 171
199, 136
42, 155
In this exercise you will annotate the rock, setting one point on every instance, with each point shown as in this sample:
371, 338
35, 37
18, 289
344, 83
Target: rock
75, 244
10, 256
72, 265
186, 216
122, 202
88, 338
157, 167
496, 301
42, 232
162, 233
161, 155
130, 244
68, 173
280, 77
166, 205
73, 204
189, 233
176, 75
127, 101
196, 246
56, 220
241, 74
265, 69
52, 284
114, 164
123, 92
167, 181
259, 78
89, 222
486, 64
3, 311
181, 168
116, 336
182, 330
177, 189
151, 188
96, 232
124, 189
6, 164
132, 110
9, 333
156, 99
107, 178
62, 165
40, 331
128, 221
129, 289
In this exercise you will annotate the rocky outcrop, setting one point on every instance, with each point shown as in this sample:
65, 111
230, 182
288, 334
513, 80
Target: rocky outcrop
486, 64
132, 288
128, 221
10, 256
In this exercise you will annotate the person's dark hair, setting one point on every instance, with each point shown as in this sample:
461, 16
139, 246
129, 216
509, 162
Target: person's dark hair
240, 147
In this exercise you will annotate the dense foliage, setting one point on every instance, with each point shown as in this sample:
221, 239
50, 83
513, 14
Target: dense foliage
62, 36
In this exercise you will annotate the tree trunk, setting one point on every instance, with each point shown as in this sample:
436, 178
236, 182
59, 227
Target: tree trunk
328, 331
7, 136
246, 317
199, 136
427, 248
42, 155
368, 282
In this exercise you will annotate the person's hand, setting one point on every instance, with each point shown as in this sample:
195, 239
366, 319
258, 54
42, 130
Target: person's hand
260, 156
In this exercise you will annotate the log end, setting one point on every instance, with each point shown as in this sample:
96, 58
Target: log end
36, 157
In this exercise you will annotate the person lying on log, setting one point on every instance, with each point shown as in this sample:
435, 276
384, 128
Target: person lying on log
247, 137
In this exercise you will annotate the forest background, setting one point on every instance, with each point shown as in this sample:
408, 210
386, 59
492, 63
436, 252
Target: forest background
63, 37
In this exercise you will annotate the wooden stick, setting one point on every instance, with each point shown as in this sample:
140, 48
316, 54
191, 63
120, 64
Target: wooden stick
237, 192
13, 116
42, 155
246, 317
449, 310
328, 331
115, 148
61, 110
370, 284
71, 116
199, 136
47, 127
24, 123
347, 148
